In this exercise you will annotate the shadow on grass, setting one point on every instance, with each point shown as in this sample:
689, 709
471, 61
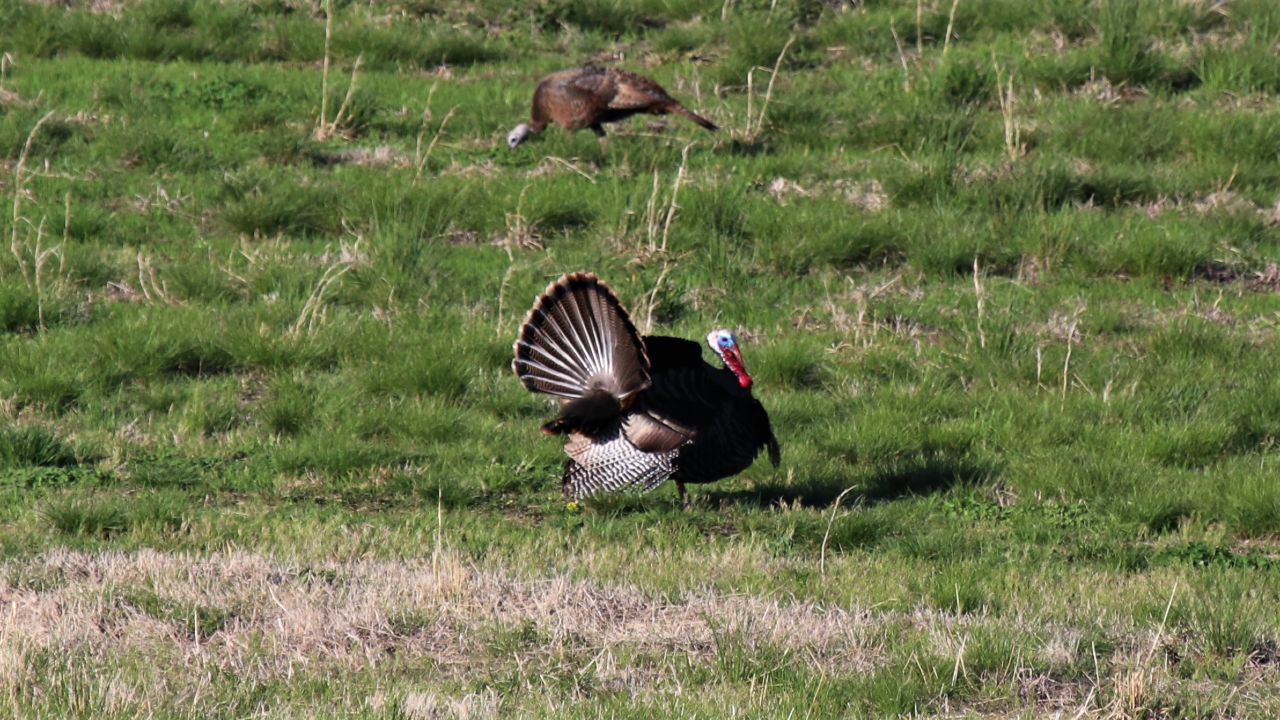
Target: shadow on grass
925, 477
749, 148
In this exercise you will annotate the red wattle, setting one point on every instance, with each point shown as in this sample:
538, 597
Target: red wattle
733, 359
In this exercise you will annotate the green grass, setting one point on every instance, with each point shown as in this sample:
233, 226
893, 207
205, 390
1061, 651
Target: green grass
261, 452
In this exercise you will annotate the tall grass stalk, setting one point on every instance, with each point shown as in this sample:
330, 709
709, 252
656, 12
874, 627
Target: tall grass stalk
502, 289
826, 536
438, 550
661, 247
324, 67
422, 155
16, 246
152, 288
326, 128
28, 250
6, 64
675, 193
571, 166
1013, 145
1132, 691
519, 233
980, 299
902, 58
919, 28
951, 23
1071, 336
313, 309
755, 123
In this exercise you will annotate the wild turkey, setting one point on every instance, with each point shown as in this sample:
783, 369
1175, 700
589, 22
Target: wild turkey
591, 96
637, 410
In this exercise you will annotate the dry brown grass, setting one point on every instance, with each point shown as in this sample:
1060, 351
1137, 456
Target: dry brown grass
128, 635
1014, 146
1103, 91
868, 196
283, 618
1223, 201
337, 264
106, 7
755, 122
380, 156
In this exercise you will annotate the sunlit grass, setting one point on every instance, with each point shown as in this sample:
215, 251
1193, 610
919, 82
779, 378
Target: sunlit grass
1024, 381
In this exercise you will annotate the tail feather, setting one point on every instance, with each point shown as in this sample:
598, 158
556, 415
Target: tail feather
613, 463
682, 110
578, 340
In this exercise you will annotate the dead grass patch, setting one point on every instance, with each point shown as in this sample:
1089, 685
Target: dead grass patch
9, 98
162, 200
154, 630
104, 7
868, 196
277, 617
1268, 279
484, 168
463, 237
553, 165
380, 156
1103, 91
427, 706
1271, 215
851, 310
1219, 201
1062, 325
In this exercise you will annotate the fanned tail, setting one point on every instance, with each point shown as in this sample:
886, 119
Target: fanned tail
579, 344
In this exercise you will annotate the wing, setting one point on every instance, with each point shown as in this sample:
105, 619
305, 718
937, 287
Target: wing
635, 92
649, 431
729, 443
600, 85
727, 426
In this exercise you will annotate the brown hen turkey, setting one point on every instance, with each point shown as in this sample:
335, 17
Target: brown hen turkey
591, 96
637, 410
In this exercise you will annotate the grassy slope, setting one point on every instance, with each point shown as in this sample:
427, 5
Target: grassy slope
259, 420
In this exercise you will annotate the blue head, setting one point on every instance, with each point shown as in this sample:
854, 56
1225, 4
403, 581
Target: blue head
725, 344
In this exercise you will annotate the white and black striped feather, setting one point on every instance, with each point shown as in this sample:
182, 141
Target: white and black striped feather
613, 463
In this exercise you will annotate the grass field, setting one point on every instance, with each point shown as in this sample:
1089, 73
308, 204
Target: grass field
1007, 275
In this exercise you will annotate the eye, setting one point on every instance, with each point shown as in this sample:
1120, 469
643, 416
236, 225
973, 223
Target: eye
725, 341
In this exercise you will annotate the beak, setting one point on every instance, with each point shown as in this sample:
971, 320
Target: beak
733, 359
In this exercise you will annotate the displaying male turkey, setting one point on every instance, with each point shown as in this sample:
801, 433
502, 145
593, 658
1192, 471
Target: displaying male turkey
637, 410
591, 96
